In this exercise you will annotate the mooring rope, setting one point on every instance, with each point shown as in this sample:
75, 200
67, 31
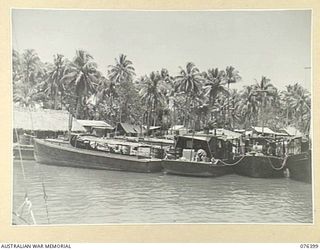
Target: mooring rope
45, 196
282, 164
26, 201
231, 164
21, 163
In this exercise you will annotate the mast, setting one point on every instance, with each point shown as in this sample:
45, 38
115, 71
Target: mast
263, 107
70, 125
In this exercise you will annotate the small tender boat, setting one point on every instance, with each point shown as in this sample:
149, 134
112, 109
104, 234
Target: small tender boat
261, 160
24, 152
217, 161
23, 149
62, 154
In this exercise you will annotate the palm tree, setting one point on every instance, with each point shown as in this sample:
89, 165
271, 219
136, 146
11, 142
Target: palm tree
190, 82
286, 97
16, 66
152, 94
106, 89
122, 74
300, 102
214, 85
265, 92
231, 76
56, 73
235, 106
249, 105
82, 74
28, 96
30, 66
106, 93
123, 71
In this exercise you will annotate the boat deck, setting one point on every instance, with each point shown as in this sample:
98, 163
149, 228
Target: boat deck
68, 147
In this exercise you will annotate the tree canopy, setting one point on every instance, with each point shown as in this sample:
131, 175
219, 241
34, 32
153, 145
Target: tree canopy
194, 98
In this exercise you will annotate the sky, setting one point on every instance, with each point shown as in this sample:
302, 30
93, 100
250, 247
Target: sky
275, 44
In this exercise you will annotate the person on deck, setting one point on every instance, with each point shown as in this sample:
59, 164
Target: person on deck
201, 154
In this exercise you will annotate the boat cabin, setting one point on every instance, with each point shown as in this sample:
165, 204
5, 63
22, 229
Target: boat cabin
266, 145
94, 143
297, 145
217, 147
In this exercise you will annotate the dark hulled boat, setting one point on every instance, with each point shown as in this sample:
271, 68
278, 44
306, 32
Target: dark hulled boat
299, 160
61, 154
260, 166
218, 160
197, 169
299, 166
263, 158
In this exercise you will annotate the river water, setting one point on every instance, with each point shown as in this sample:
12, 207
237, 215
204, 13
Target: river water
86, 196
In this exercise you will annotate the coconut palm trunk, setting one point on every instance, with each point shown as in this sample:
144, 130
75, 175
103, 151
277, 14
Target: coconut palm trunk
78, 106
55, 100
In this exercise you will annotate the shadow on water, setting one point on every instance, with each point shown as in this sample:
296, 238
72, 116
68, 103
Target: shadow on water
85, 196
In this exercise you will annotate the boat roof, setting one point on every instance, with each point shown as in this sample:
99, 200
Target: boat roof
94, 123
177, 127
228, 133
292, 131
132, 129
222, 133
151, 127
265, 130
196, 137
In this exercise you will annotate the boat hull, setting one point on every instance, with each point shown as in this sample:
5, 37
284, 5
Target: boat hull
259, 166
197, 169
299, 166
66, 155
27, 152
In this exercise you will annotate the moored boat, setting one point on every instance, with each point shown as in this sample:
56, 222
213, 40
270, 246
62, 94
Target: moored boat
299, 160
197, 169
61, 154
201, 156
299, 166
23, 152
263, 158
23, 148
260, 166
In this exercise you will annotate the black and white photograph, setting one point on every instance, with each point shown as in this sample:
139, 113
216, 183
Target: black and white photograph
161, 117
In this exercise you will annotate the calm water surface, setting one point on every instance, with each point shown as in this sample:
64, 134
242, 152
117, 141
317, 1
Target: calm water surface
86, 196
